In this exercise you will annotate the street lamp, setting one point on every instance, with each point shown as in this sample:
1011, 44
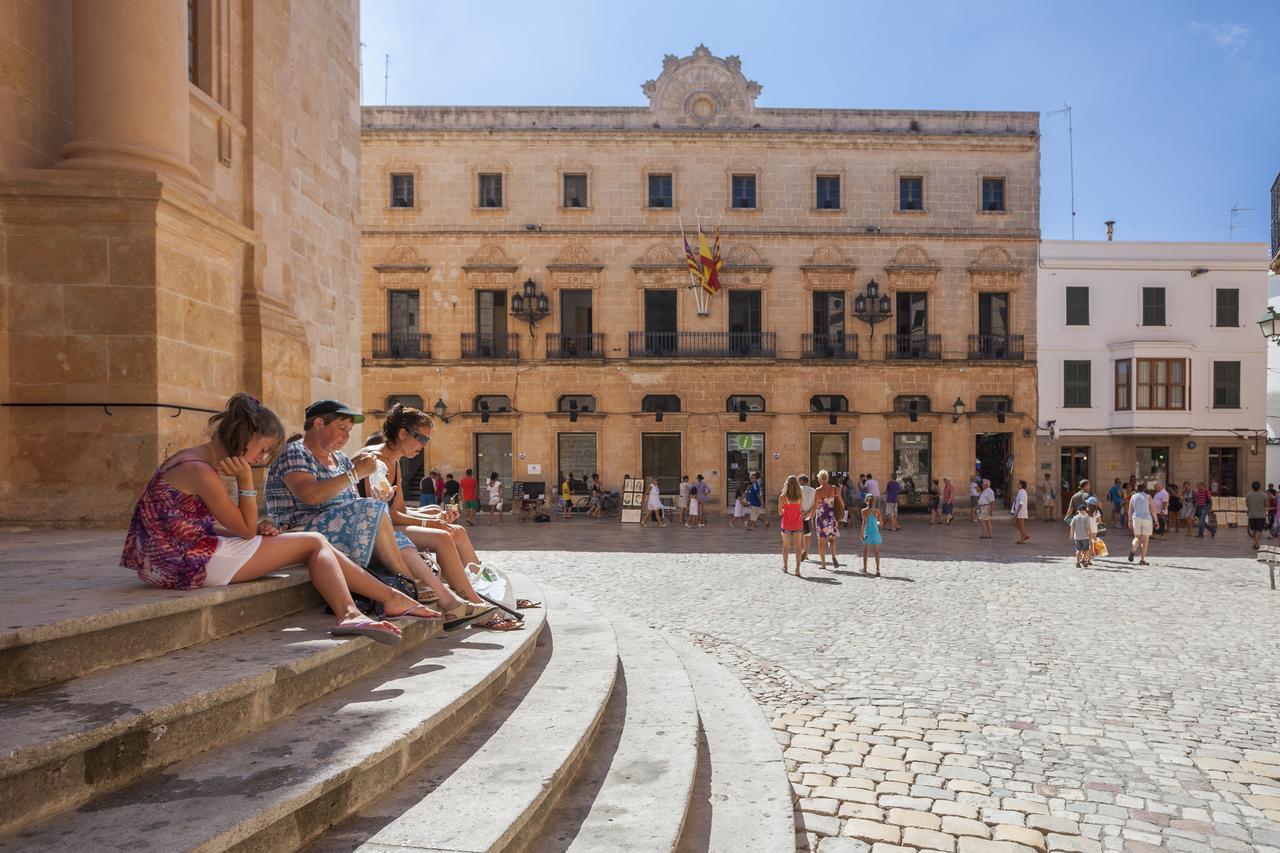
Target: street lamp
1270, 325
530, 305
872, 307
441, 410
957, 410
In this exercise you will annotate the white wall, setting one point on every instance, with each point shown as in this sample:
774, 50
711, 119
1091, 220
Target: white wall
1115, 273
1273, 388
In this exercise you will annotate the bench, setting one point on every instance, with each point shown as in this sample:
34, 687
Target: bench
1270, 554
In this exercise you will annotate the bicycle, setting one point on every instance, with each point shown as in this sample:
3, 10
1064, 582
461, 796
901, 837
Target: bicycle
610, 504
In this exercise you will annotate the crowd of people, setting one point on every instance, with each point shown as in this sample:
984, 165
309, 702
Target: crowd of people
344, 517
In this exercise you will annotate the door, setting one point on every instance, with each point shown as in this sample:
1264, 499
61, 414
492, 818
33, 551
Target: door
744, 453
913, 460
1151, 466
828, 451
992, 452
575, 322
493, 453
660, 457
993, 324
402, 323
745, 325
1224, 469
491, 322
659, 321
828, 322
913, 324
1074, 465
576, 459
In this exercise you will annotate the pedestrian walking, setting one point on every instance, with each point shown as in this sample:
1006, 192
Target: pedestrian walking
597, 496
806, 513
566, 497
682, 499
948, 500
986, 502
790, 512
1079, 532
973, 500
1174, 512
1094, 510
1079, 499
427, 494
1115, 496
469, 488
1048, 494
873, 488
495, 498
703, 488
653, 505
870, 533
1256, 504
935, 506
739, 509
828, 506
1160, 509
755, 501
892, 490
1140, 518
1019, 512
1204, 508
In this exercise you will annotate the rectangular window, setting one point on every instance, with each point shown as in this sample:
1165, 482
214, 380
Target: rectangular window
1153, 306
402, 190
1077, 306
1227, 307
490, 190
828, 192
576, 458
1161, 384
660, 191
1226, 384
575, 190
1076, 385
993, 315
910, 193
744, 191
1124, 378
193, 67
1224, 469
993, 194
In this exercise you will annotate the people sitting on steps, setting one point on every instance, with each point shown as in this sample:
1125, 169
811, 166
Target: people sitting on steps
312, 486
405, 433
187, 532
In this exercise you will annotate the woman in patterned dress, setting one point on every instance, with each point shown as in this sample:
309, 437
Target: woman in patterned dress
828, 507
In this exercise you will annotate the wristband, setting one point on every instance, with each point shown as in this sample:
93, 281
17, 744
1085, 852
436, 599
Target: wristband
248, 493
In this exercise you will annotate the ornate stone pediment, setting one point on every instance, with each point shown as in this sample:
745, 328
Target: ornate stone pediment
575, 257
994, 270
744, 266
828, 267
490, 258
660, 266
402, 259
702, 90
913, 259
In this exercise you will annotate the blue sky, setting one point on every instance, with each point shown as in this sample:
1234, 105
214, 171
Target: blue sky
1176, 104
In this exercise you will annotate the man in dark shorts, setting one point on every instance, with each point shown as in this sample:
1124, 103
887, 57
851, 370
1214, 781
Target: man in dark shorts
1256, 503
467, 487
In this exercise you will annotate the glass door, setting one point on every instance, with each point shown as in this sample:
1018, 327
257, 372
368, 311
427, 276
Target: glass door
576, 452
660, 457
745, 323
828, 451
744, 453
575, 322
402, 323
912, 324
1151, 465
828, 322
1224, 469
491, 322
1074, 465
493, 453
991, 450
659, 322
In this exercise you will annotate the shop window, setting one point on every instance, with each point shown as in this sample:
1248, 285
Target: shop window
753, 402
492, 403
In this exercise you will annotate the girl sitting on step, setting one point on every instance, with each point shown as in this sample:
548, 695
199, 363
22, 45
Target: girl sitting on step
187, 532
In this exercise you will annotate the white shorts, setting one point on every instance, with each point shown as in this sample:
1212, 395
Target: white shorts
229, 557
1142, 526
693, 506
753, 513
682, 503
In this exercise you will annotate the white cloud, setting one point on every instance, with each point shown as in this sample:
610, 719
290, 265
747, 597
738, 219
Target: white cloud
1230, 37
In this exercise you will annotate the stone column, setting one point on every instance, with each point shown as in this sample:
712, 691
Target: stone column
130, 89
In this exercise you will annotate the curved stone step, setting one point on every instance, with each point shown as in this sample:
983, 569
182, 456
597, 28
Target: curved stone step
633, 790
278, 788
109, 618
64, 744
747, 803
499, 781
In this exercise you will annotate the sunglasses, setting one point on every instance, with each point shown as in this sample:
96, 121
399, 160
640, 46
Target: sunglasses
420, 438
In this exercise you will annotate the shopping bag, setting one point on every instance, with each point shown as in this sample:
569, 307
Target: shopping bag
1099, 548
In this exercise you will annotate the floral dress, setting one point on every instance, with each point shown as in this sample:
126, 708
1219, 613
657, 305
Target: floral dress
825, 518
171, 536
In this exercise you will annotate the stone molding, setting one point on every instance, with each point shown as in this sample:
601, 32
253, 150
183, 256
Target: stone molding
702, 90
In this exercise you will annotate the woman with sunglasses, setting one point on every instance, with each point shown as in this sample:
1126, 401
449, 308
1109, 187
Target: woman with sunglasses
405, 433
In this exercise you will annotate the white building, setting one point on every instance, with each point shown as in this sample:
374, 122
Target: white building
1151, 363
1273, 353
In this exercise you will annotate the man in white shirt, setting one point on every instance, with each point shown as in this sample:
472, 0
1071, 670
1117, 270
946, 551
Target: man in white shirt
1160, 507
873, 488
682, 502
986, 503
806, 507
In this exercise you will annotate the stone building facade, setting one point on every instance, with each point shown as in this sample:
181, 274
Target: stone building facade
178, 194
1151, 363
461, 206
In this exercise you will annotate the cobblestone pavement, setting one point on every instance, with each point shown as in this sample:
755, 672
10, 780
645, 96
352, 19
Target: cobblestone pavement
981, 696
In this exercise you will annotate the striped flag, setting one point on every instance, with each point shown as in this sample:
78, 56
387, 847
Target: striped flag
707, 262
695, 268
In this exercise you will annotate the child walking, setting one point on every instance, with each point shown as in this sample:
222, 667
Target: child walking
1081, 532
870, 532
739, 508
495, 498
790, 503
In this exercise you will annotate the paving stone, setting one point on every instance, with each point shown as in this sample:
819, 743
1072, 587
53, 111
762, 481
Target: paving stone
1053, 823
965, 826
968, 844
819, 824
894, 801
861, 810
835, 844
928, 839
818, 805
872, 831
912, 817
1018, 835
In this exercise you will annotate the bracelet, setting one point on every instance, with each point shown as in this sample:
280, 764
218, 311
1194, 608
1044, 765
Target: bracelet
248, 493
351, 477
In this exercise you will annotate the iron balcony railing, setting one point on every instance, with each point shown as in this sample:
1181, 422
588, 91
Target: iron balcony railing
997, 347
913, 346
840, 347
482, 346
702, 345
577, 345
401, 345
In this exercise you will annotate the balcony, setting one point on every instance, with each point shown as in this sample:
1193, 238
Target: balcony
401, 345
485, 347
581, 345
913, 346
838, 347
701, 345
996, 347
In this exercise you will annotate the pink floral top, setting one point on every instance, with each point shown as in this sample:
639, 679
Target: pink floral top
171, 536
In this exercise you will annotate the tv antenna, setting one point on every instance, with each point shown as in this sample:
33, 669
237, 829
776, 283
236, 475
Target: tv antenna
1071, 154
386, 76
1236, 210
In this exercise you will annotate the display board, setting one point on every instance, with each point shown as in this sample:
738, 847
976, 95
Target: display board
632, 500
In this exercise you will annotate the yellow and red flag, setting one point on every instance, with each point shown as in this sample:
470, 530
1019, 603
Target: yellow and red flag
709, 260
695, 266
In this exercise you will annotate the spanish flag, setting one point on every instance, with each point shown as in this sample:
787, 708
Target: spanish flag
710, 281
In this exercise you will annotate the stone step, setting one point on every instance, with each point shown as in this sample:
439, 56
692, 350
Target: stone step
278, 788
495, 786
64, 744
57, 635
742, 798
633, 790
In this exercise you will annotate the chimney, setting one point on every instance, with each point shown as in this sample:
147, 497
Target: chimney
1111, 229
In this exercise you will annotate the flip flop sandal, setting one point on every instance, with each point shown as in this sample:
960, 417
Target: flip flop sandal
410, 614
388, 636
502, 624
466, 614
526, 604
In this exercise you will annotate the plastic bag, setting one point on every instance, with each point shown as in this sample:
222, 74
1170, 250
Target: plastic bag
1099, 548
492, 583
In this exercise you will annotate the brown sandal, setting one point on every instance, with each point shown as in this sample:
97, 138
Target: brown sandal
526, 604
502, 623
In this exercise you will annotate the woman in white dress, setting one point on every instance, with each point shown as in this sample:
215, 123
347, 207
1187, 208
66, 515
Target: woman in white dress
495, 498
1019, 511
653, 505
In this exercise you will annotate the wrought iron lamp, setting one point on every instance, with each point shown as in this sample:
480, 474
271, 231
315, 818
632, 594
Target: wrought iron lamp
872, 307
957, 410
1270, 325
529, 305
442, 410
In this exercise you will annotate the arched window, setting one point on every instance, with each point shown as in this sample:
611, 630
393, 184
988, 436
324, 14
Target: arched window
754, 402
576, 403
995, 403
660, 403
408, 400
912, 403
492, 403
828, 403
